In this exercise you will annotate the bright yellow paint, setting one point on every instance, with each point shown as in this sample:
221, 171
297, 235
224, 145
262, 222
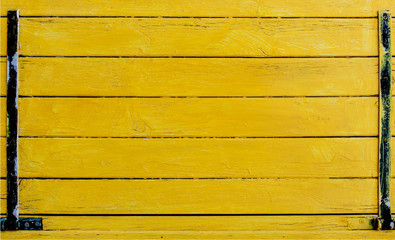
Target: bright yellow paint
197, 37
204, 196
3, 76
3, 37
72, 234
196, 158
207, 8
198, 117
294, 174
208, 223
3, 117
198, 77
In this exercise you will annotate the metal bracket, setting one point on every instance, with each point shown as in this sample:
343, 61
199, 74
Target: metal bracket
385, 221
24, 224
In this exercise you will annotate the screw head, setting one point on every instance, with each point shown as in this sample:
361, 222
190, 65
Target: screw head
385, 16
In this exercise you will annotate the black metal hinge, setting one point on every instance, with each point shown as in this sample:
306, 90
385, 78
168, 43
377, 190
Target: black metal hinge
12, 221
24, 224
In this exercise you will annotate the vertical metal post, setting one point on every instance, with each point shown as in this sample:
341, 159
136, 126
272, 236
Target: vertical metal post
12, 221
12, 120
385, 64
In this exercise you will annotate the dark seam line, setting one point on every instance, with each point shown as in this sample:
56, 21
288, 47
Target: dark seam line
202, 17
198, 137
198, 178
197, 215
328, 96
203, 97
203, 57
193, 97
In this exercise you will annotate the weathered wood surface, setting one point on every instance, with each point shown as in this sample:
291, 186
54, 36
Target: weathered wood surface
248, 37
71, 234
294, 175
198, 77
207, 8
204, 196
3, 76
196, 158
195, 77
3, 116
208, 223
145, 117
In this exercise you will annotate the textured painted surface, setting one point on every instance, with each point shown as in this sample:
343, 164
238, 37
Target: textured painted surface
319, 174
320, 227
208, 8
199, 117
198, 77
209, 223
202, 235
3, 76
203, 196
247, 37
197, 158
3, 117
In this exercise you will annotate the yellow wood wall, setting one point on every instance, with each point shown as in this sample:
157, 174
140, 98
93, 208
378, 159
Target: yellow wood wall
239, 119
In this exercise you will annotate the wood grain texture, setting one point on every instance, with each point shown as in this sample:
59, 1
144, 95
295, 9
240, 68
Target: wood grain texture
251, 37
305, 235
196, 158
198, 77
220, 196
208, 223
199, 117
208, 8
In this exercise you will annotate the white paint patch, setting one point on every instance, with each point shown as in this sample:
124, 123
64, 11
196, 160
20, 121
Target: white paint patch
8, 72
14, 61
16, 211
387, 203
385, 49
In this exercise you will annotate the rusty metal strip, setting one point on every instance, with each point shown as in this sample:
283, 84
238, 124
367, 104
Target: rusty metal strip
385, 64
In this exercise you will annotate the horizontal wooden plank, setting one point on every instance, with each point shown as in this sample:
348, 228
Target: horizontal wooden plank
3, 196
197, 8
3, 156
3, 116
196, 158
3, 76
207, 223
220, 196
208, 8
198, 117
197, 37
198, 77
195, 77
305, 235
